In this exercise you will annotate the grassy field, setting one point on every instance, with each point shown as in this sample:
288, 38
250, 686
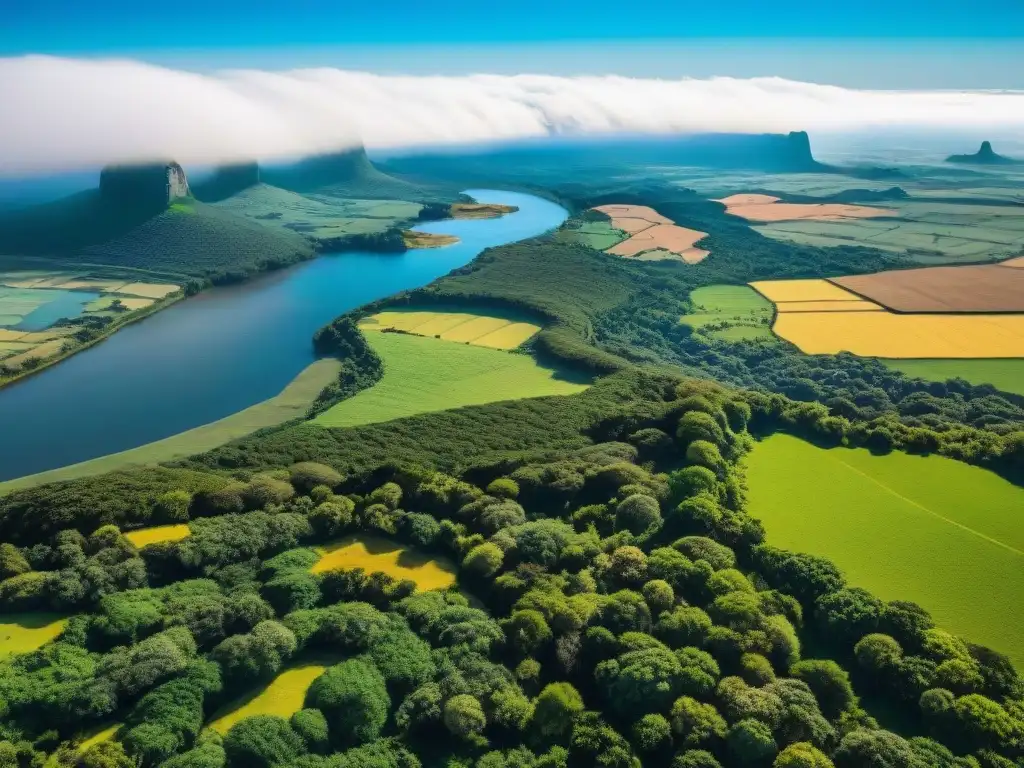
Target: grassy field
293, 403
146, 536
497, 329
319, 217
736, 312
97, 736
599, 235
423, 375
284, 696
24, 632
378, 554
1007, 375
929, 529
935, 232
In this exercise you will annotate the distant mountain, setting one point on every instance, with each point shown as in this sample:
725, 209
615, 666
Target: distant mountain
984, 156
227, 181
348, 173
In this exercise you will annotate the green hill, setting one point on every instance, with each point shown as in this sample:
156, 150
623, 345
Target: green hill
193, 238
349, 174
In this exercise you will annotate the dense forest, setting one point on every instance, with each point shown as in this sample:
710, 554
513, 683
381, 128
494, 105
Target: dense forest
616, 605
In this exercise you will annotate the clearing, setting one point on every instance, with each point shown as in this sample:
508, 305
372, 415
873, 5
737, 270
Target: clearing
652, 235
283, 696
24, 632
143, 537
497, 329
376, 554
764, 208
730, 313
422, 375
929, 529
1006, 375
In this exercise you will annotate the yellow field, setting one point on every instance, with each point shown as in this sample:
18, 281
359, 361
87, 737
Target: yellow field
883, 334
467, 327
146, 536
377, 554
30, 337
801, 290
149, 290
24, 632
93, 284
283, 697
130, 302
855, 305
44, 350
98, 737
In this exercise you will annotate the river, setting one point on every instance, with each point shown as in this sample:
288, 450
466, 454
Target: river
216, 353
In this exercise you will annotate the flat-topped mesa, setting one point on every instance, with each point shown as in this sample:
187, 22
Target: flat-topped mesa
228, 180
984, 156
318, 171
144, 185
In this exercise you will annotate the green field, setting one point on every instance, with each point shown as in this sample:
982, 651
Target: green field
292, 403
944, 534
1007, 375
24, 632
733, 312
599, 235
423, 375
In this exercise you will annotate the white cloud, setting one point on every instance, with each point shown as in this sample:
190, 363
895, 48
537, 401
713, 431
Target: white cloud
58, 114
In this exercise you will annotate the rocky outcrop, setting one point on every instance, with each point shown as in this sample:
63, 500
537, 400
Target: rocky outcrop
146, 185
984, 156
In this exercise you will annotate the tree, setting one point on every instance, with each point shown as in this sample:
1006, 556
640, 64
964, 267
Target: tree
262, 741
306, 475
332, 517
106, 754
718, 556
527, 631
877, 654
986, 724
684, 625
876, 749
659, 595
802, 755
641, 681
695, 723
751, 742
652, 733
637, 513
830, 683
503, 487
696, 425
484, 560
695, 758
848, 614
464, 717
311, 726
555, 709
12, 562
354, 698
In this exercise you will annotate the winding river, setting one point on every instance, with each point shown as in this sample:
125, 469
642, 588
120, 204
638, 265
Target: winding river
224, 350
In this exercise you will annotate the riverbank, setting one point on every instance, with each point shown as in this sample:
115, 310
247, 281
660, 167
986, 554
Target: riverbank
226, 349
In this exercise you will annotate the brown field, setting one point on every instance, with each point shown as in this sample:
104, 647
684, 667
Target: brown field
978, 288
667, 237
641, 212
148, 290
765, 208
1017, 263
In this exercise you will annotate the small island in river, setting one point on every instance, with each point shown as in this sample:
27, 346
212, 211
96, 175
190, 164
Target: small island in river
480, 210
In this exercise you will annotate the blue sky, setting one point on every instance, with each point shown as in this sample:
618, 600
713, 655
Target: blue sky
865, 43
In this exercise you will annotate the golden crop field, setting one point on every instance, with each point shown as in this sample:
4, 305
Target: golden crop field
801, 290
883, 334
148, 290
146, 536
375, 554
854, 305
479, 330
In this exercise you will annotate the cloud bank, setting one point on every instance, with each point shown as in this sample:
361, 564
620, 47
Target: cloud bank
61, 114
